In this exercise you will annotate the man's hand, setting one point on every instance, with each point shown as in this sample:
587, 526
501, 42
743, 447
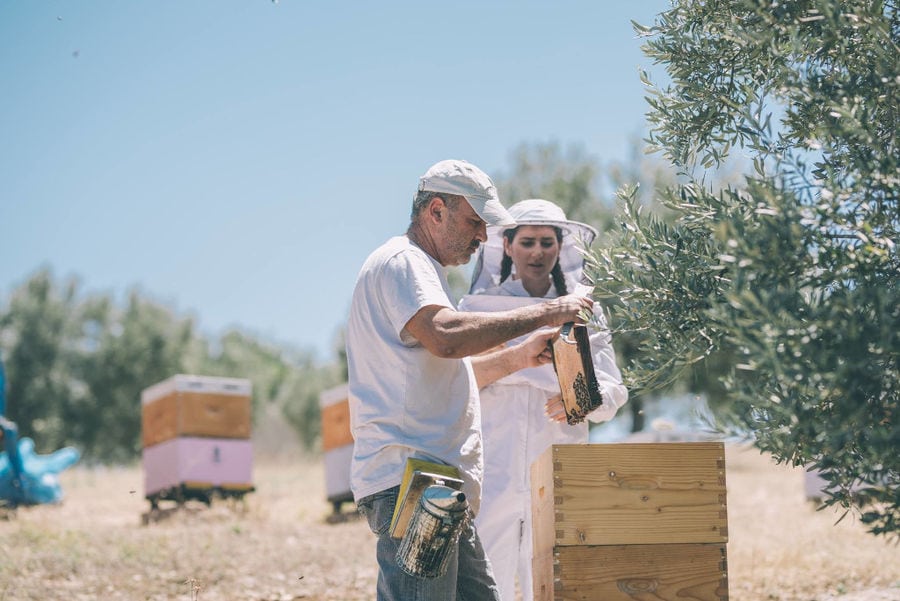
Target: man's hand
571, 307
535, 350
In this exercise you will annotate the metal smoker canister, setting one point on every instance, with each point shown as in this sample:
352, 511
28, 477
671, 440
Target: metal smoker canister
433, 532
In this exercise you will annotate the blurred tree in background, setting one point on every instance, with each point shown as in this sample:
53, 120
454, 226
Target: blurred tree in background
790, 279
569, 177
37, 334
76, 365
120, 352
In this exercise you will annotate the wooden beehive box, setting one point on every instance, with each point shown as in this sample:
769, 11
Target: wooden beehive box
627, 522
337, 444
188, 405
198, 463
335, 409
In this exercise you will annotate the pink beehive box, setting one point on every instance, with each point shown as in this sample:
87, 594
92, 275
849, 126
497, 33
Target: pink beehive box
198, 463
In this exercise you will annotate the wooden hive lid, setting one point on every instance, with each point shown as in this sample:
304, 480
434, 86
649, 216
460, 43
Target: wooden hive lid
193, 383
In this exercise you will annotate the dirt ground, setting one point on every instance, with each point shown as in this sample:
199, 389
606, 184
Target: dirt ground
278, 545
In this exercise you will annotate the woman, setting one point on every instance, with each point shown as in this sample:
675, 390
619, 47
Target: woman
522, 413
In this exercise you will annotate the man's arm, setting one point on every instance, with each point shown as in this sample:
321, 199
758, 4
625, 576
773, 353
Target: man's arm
455, 334
534, 351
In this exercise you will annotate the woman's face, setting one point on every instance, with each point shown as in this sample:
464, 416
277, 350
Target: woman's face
534, 251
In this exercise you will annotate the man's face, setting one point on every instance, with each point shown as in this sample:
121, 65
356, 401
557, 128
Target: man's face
463, 232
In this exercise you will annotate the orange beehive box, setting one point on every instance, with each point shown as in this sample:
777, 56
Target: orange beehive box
619, 522
337, 444
189, 405
335, 409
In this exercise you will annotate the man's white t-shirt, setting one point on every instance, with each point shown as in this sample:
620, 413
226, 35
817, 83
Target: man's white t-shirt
405, 401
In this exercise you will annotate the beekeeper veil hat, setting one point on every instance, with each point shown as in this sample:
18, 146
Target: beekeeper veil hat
534, 211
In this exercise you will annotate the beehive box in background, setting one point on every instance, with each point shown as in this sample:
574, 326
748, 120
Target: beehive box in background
623, 522
196, 437
337, 444
198, 464
188, 405
335, 418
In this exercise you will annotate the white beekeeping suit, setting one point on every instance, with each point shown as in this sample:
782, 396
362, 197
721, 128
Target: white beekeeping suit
514, 425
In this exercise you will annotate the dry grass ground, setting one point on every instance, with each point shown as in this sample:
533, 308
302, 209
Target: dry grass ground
278, 546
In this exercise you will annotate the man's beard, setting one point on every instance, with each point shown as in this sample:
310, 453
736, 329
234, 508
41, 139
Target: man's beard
463, 254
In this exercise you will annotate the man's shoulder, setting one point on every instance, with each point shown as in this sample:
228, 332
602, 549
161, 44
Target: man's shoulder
398, 247
390, 247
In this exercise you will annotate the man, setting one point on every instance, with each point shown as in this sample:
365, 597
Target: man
413, 385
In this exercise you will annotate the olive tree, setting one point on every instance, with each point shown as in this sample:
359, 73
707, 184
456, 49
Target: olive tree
791, 276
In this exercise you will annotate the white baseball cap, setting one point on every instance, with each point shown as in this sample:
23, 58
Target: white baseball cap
462, 178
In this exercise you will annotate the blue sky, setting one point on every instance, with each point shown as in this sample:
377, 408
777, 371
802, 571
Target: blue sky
237, 161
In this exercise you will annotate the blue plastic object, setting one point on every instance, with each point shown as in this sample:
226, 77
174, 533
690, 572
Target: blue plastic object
2, 390
27, 478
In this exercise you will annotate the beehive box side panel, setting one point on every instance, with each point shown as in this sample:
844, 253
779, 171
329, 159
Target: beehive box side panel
214, 415
612, 494
542, 576
159, 420
337, 471
671, 572
160, 466
543, 505
219, 462
336, 425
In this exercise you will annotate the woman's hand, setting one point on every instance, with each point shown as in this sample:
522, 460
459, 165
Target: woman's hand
555, 410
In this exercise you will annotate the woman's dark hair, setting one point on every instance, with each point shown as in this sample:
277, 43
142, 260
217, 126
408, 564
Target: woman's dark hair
559, 281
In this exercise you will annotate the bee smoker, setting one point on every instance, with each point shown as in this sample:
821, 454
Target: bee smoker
433, 531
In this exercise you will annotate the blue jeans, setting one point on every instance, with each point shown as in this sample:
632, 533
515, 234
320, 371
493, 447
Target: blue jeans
468, 577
